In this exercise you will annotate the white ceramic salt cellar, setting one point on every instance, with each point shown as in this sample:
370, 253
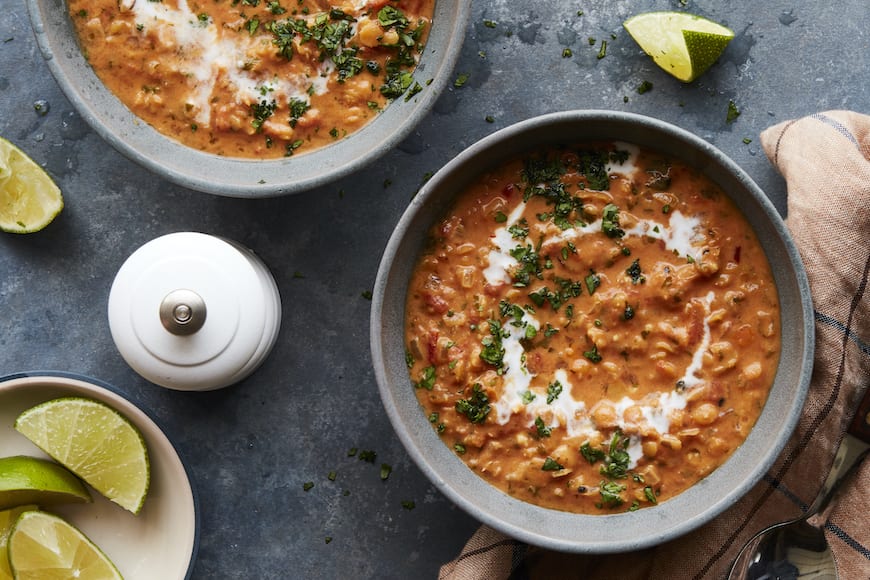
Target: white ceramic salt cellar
194, 312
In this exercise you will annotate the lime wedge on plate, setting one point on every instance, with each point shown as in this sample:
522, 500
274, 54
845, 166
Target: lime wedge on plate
43, 546
95, 442
29, 198
7, 520
29, 480
682, 44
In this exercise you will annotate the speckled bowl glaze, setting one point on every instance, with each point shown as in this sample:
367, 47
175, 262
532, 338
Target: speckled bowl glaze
554, 529
233, 176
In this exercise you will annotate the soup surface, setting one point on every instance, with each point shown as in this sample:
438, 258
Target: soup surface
593, 329
254, 78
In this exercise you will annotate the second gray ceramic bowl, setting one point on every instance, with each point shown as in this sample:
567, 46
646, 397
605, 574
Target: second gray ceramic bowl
560, 530
233, 176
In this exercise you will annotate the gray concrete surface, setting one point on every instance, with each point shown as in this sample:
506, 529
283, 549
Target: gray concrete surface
250, 448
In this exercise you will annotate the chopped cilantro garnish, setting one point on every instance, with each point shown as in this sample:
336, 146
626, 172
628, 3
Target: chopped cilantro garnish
261, 111
590, 454
610, 222
520, 229
396, 84
551, 464
476, 407
388, 17
733, 112
635, 273
593, 281
592, 354
427, 380
368, 456
541, 428
493, 351
617, 459
530, 265
554, 389
610, 493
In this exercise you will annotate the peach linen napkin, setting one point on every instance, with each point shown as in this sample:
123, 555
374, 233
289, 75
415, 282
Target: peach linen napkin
825, 159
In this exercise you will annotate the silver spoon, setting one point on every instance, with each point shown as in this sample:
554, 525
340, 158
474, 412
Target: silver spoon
798, 548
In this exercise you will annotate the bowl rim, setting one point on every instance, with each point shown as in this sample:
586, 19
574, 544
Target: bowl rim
239, 177
553, 529
111, 395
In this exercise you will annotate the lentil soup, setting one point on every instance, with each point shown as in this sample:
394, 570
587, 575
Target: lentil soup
254, 78
593, 329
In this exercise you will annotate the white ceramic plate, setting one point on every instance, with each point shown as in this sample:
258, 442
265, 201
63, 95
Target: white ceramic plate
161, 541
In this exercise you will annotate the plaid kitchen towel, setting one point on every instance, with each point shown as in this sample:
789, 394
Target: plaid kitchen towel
825, 159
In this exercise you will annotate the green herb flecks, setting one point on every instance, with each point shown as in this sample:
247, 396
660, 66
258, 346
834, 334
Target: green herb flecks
611, 493
590, 453
554, 389
476, 407
610, 222
520, 229
493, 350
427, 379
616, 461
635, 273
551, 464
592, 355
733, 112
529, 265
593, 165
261, 112
593, 281
298, 107
541, 429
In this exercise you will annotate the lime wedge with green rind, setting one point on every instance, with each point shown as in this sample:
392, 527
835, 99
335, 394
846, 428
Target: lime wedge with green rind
7, 520
43, 546
30, 480
29, 198
684, 45
96, 443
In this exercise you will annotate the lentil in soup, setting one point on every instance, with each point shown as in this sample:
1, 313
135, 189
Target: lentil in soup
254, 78
593, 329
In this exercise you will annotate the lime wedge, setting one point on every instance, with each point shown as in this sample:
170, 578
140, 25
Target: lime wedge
25, 480
7, 520
43, 546
29, 199
95, 442
682, 44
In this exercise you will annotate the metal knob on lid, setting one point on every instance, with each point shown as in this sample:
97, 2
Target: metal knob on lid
190, 311
182, 312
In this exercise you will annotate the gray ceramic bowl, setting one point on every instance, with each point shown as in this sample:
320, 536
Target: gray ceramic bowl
554, 529
242, 177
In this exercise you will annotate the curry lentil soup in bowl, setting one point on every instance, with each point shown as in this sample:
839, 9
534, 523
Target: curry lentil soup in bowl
251, 98
592, 331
